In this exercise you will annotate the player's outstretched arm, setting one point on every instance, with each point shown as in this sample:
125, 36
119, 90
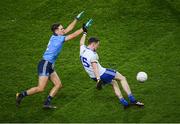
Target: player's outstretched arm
72, 24
96, 72
78, 32
85, 26
83, 38
73, 35
95, 69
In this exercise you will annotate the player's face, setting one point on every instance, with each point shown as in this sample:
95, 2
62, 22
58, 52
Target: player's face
60, 30
96, 45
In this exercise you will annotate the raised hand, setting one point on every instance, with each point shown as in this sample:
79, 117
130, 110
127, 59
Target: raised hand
78, 17
87, 25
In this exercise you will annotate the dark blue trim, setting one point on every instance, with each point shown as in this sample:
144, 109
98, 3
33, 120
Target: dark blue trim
90, 49
55, 34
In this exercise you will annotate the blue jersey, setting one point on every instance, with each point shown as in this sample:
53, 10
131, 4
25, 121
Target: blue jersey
54, 48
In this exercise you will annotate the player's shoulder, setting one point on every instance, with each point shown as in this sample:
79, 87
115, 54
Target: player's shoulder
88, 50
83, 46
58, 37
91, 52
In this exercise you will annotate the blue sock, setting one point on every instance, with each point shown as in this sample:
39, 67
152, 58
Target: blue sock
123, 101
48, 100
24, 93
131, 98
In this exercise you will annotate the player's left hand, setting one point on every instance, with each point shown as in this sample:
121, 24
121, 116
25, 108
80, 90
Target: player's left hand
84, 28
78, 17
87, 25
99, 84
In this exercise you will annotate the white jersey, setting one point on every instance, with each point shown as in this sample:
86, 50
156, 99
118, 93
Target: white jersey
87, 56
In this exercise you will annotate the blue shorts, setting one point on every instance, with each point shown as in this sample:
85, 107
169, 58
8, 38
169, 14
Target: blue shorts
45, 68
107, 76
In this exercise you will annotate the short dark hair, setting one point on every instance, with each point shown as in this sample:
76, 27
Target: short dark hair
93, 40
54, 27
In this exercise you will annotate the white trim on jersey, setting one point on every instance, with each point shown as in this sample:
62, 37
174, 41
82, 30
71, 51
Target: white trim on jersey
44, 67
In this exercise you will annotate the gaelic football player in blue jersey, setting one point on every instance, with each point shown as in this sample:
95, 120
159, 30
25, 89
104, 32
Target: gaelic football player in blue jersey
46, 65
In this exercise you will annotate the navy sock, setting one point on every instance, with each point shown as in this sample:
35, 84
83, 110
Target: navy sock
24, 93
48, 100
131, 98
123, 101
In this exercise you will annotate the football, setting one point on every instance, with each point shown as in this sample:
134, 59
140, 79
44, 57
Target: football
141, 76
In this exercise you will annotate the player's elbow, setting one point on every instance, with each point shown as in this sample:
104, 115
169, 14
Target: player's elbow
81, 44
69, 37
66, 31
94, 64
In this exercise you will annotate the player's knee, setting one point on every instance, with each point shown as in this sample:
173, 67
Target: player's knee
40, 89
58, 85
122, 78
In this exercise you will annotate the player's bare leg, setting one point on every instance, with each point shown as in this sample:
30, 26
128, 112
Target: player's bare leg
127, 89
40, 88
116, 89
119, 94
124, 83
57, 85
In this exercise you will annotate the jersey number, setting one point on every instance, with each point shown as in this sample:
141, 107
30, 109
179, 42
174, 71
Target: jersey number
84, 61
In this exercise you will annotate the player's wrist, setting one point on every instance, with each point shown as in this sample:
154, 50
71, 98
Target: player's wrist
98, 79
99, 84
76, 19
84, 33
84, 28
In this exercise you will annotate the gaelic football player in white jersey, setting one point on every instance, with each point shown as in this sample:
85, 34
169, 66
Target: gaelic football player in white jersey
101, 75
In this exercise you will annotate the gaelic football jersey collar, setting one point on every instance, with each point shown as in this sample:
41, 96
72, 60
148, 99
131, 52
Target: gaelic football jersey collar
55, 34
91, 49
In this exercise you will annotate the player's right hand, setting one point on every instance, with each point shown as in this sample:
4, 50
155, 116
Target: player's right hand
78, 17
99, 84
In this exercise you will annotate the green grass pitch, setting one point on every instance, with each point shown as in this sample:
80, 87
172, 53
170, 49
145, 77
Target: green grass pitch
136, 35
